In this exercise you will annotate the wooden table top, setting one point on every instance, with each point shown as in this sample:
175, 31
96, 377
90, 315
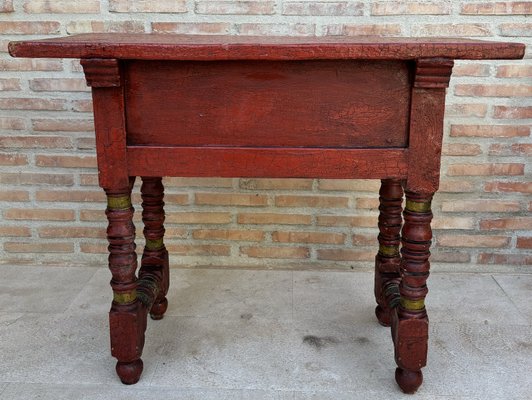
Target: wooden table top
196, 47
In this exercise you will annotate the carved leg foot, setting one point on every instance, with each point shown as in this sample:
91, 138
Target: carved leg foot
410, 324
129, 372
154, 269
408, 381
158, 309
388, 259
127, 318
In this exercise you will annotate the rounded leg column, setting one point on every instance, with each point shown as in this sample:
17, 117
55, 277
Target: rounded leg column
155, 257
410, 326
126, 323
387, 260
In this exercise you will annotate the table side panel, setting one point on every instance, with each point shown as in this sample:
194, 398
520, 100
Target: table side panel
272, 162
338, 104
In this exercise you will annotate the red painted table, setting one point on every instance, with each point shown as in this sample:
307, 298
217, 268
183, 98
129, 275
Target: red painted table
224, 106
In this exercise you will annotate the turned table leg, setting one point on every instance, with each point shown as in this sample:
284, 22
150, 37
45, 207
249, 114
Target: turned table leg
410, 324
154, 269
387, 260
125, 319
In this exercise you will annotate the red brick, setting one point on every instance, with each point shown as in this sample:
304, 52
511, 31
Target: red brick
454, 256
480, 205
517, 223
461, 149
33, 64
63, 7
230, 199
65, 161
275, 252
14, 195
39, 214
13, 159
308, 237
369, 203
524, 242
512, 112
27, 178
465, 68
450, 186
36, 142
86, 143
364, 240
485, 169
235, 7
453, 223
515, 149
337, 8
82, 106
72, 232
70, 196
198, 217
466, 110
276, 29
105, 27
63, 125
350, 185
490, 130
198, 182
94, 248
451, 30
311, 201
518, 187
21, 103
199, 249
364, 30
365, 221
345, 255
276, 184
6, 6
192, 28
274, 219
10, 84
493, 90
59, 85
228, 234
505, 259
472, 241
29, 27
92, 215
515, 29
497, 8
514, 71
14, 231
159, 6
38, 247
410, 7
11, 123
88, 179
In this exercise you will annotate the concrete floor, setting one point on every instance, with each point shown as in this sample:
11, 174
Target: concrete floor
236, 334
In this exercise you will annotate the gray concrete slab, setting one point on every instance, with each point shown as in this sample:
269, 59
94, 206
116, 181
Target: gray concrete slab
230, 293
470, 298
324, 344
101, 392
334, 296
518, 288
40, 289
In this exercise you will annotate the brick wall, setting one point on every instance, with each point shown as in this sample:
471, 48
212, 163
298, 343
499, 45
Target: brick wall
52, 208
